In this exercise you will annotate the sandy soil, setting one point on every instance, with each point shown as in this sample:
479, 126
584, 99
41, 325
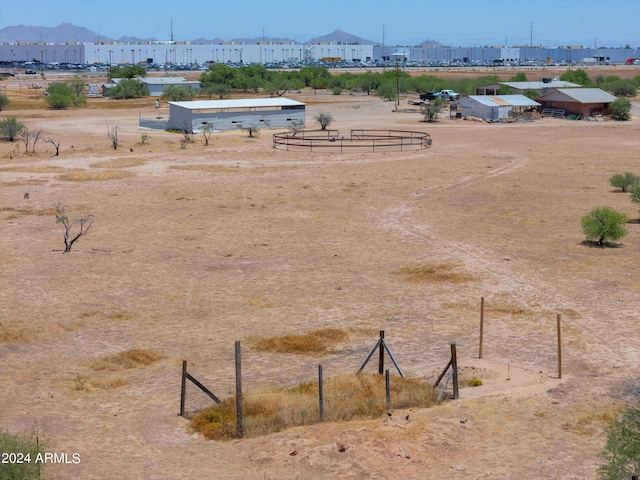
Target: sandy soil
192, 249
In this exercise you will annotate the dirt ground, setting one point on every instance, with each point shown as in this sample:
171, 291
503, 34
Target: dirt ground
194, 248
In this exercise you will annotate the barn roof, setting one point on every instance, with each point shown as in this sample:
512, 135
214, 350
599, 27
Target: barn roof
580, 95
539, 85
238, 103
504, 100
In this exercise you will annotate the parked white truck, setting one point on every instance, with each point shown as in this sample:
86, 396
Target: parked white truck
449, 94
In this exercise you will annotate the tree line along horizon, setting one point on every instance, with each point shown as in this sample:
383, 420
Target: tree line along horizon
221, 80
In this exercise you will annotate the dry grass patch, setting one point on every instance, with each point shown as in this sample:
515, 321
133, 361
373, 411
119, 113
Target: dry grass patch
24, 183
25, 211
119, 163
317, 341
589, 418
85, 176
439, 272
35, 169
125, 360
347, 397
207, 168
14, 332
82, 383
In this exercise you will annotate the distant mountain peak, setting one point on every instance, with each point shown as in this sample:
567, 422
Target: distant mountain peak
340, 37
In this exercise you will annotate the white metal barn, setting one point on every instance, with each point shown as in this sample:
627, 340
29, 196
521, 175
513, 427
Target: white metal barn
234, 114
495, 107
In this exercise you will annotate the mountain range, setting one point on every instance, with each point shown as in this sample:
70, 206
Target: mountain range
68, 33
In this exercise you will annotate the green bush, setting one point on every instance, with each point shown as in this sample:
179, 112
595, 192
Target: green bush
337, 91
621, 109
622, 450
20, 447
61, 96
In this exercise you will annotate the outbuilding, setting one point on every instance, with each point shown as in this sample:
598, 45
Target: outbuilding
261, 113
585, 102
157, 84
493, 108
543, 86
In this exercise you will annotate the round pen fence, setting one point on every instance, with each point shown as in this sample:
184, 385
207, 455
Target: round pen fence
367, 140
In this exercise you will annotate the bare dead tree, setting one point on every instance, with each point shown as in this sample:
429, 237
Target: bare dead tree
112, 133
56, 145
25, 136
61, 217
187, 132
296, 127
36, 137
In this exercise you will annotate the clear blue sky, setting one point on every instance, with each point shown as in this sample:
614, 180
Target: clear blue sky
609, 23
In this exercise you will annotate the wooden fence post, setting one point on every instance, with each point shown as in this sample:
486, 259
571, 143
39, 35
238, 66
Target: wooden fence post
239, 431
381, 359
388, 389
559, 347
454, 369
183, 389
320, 394
481, 325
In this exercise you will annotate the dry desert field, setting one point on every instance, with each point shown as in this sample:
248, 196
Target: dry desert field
192, 249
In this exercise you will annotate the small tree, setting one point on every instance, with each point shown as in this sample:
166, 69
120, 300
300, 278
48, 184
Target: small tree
621, 109
604, 223
622, 450
624, 182
206, 132
10, 128
251, 130
61, 217
175, 93
432, 110
324, 119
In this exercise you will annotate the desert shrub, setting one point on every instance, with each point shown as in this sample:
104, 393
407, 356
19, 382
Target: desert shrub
61, 96
324, 119
604, 223
432, 111
474, 382
621, 109
622, 450
624, 182
21, 444
337, 91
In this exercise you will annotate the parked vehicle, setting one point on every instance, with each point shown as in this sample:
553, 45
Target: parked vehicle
449, 94
429, 95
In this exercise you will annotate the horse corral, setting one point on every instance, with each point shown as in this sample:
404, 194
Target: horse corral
367, 140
